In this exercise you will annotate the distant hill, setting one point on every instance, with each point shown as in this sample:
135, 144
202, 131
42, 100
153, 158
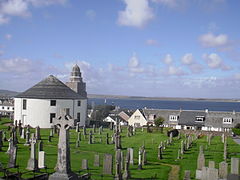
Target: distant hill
7, 93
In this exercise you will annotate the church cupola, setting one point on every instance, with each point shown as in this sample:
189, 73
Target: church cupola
76, 83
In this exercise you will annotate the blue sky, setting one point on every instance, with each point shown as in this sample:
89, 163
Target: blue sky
164, 48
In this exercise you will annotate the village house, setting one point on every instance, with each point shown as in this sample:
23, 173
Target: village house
6, 108
187, 119
41, 103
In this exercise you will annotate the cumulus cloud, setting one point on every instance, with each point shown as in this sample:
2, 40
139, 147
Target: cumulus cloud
168, 59
134, 65
21, 8
215, 41
189, 61
137, 13
175, 71
170, 3
214, 61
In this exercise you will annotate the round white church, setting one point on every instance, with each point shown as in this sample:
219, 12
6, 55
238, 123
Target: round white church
44, 101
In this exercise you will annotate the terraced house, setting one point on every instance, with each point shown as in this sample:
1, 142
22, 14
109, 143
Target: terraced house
187, 119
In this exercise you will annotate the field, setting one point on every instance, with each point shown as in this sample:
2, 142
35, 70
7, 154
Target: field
167, 168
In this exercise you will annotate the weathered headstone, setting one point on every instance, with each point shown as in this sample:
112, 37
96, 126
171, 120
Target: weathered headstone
90, 140
212, 174
130, 150
126, 174
85, 164
107, 139
234, 165
63, 167
187, 175
200, 161
32, 162
140, 159
40, 146
23, 135
77, 127
160, 152
107, 164
118, 159
211, 164
223, 170
96, 160
12, 154
41, 159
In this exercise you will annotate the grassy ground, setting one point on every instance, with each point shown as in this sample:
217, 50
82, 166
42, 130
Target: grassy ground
159, 169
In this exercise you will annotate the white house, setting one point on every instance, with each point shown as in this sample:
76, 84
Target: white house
41, 103
6, 108
137, 119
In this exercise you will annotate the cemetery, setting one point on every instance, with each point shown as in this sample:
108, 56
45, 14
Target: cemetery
66, 151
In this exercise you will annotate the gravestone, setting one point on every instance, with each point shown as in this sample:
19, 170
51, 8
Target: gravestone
140, 159
12, 154
223, 170
126, 174
144, 159
90, 140
79, 136
96, 160
40, 146
182, 148
170, 138
211, 164
187, 175
84, 164
200, 161
77, 143
234, 165
41, 159
107, 139
94, 128
212, 174
4, 136
51, 131
37, 133
130, 151
118, 159
225, 151
23, 136
77, 127
63, 167
107, 164
32, 162
160, 152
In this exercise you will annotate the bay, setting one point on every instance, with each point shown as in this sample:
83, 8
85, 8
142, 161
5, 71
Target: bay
168, 104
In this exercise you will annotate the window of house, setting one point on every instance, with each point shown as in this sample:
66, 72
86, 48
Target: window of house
67, 111
53, 103
52, 115
7, 108
136, 117
24, 104
173, 118
199, 118
78, 117
227, 120
3, 107
152, 117
79, 103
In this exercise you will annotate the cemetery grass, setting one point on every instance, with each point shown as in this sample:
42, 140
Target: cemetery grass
154, 169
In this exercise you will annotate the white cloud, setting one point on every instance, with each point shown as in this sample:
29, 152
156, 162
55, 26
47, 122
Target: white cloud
211, 40
168, 59
21, 8
3, 19
214, 61
134, 65
137, 13
175, 71
1, 52
169, 3
187, 59
14, 8
91, 14
8, 36
152, 42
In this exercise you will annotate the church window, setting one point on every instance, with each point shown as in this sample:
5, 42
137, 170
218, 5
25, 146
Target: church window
53, 103
24, 104
79, 103
68, 111
52, 115
78, 117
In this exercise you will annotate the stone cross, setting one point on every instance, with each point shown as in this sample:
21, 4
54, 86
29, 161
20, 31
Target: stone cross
32, 162
63, 167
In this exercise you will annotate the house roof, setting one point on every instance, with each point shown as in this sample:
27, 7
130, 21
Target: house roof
50, 88
188, 118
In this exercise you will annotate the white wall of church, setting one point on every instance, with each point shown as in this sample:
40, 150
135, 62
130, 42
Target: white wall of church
38, 111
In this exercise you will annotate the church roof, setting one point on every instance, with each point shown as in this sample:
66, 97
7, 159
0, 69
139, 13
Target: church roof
50, 88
